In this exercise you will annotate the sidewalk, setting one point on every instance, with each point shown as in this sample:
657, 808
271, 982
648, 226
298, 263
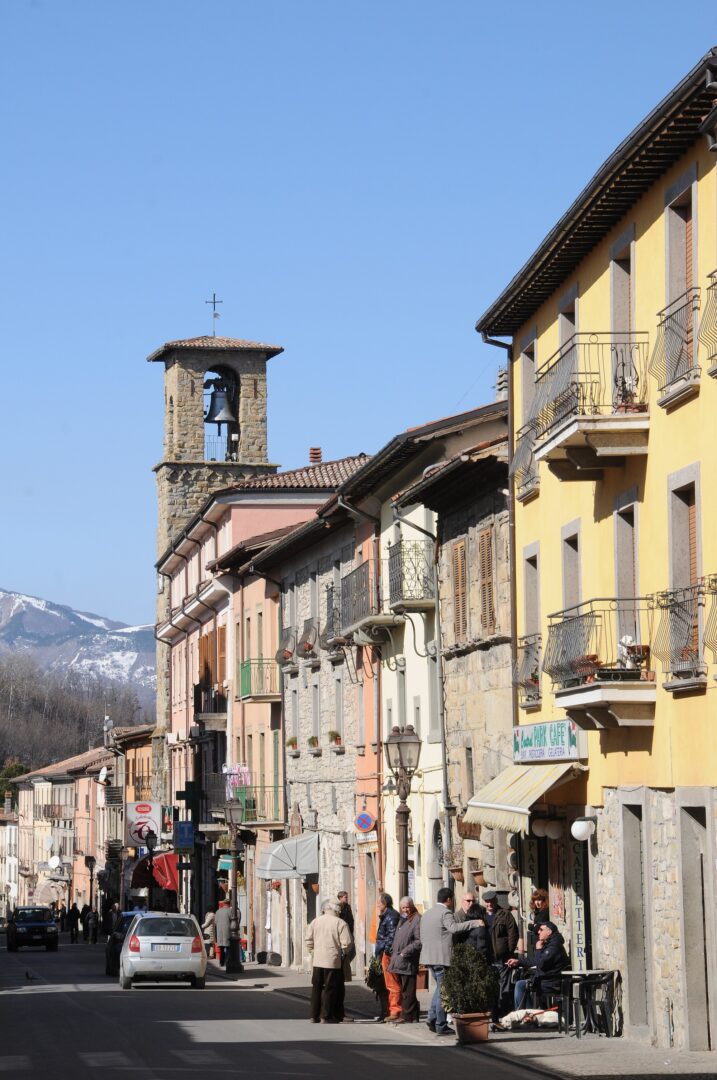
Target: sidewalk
542, 1053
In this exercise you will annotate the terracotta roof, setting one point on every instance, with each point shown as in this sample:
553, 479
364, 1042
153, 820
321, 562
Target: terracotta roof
58, 768
252, 543
327, 474
133, 731
225, 344
452, 481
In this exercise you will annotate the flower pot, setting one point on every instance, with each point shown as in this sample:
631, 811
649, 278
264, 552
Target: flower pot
472, 1027
422, 978
479, 878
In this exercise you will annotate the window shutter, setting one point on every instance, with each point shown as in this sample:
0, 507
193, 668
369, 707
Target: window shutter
692, 527
460, 622
688, 279
222, 648
485, 559
203, 673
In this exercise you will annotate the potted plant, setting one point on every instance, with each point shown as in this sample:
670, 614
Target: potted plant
470, 993
292, 742
335, 738
312, 741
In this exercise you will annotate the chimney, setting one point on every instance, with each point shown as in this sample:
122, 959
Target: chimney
314, 455
501, 385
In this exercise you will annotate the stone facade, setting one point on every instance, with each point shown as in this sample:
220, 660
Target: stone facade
477, 670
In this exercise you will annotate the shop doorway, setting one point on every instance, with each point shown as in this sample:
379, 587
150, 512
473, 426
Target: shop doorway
693, 836
635, 915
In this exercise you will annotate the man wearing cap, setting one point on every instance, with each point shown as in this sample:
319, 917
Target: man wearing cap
549, 961
503, 936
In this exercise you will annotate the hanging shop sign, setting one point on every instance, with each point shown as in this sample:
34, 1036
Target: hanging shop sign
578, 936
552, 740
142, 818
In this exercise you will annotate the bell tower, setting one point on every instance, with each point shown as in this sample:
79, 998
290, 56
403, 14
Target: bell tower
214, 436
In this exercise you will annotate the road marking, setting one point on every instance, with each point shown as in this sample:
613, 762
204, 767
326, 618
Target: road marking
392, 1057
201, 1057
14, 1063
298, 1057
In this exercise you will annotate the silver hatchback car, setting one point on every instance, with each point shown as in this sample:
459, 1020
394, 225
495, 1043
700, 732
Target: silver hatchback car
160, 946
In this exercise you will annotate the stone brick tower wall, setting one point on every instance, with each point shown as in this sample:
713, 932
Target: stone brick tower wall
185, 479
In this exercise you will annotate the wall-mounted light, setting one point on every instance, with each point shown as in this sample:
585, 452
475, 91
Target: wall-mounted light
583, 828
554, 829
538, 827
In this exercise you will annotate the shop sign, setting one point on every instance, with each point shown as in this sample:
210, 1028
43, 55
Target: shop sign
552, 740
367, 838
142, 818
578, 930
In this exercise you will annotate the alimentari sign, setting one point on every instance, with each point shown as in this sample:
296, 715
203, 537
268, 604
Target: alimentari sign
553, 740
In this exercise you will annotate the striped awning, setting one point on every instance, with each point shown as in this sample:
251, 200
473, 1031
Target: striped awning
505, 802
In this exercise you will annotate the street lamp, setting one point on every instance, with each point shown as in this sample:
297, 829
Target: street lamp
90, 863
151, 842
234, 816
403, 750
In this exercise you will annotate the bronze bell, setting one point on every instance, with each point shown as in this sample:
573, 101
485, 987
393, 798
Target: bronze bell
220, 410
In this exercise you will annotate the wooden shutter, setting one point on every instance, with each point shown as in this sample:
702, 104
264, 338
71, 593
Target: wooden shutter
203, 673
485, 560
692, 542
222, 658
460, 604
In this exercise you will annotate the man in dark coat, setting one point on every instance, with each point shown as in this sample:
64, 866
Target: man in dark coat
549, 961
388, 919
503, 935
479, 936
73, 921
83, 919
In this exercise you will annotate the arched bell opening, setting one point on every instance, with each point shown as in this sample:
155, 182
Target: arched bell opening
221, 415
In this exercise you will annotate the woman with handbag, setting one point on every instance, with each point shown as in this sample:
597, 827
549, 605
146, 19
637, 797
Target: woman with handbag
405, 955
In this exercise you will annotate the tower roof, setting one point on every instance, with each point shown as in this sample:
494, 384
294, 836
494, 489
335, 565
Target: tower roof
220, 344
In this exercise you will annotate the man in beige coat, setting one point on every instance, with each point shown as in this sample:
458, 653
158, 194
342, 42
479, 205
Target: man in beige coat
328, 939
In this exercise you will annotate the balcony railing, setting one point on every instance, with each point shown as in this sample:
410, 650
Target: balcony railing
410, 573
602, 640
307, 644
524, 467
261, 803
526, 672
139, 792
674, 356
259, 678
359, 595
114, 795
678, 643
331, 634
597, 374
707, 336
209, 701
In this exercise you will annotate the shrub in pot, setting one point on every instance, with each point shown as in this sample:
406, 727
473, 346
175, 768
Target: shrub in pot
470, 992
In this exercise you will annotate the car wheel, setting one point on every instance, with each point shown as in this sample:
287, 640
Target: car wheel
198, 982
125, 981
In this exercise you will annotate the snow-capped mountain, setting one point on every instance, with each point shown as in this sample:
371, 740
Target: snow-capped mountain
57, 638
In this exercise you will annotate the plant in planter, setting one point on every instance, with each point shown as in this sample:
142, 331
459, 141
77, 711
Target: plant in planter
470, 993
335, 738
312, 741
292, 742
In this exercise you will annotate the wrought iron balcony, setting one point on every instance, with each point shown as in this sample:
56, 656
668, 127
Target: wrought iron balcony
707, 336
598, 656
526, 672
208, 701
674, 359
678, 643
307, 645
330, 636
113, 849
141, 791
590, 407
259, 679
524, 467
114, 796
261, 804
410, 575
361, 607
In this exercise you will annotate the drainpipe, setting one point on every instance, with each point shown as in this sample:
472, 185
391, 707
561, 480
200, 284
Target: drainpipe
448, 806
511, 518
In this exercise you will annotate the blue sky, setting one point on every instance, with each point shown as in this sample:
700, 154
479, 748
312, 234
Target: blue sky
356, 181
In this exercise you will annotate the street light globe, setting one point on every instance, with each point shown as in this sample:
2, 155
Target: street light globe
554, 829
538, 827
403, 750
582, 829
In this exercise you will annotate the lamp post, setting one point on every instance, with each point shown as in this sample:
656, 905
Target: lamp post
403, 750
90, 863
151, 842
234, 816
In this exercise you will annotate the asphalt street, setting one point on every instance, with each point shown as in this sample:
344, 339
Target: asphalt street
61, 1016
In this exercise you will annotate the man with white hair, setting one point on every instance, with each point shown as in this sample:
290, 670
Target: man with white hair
328, 939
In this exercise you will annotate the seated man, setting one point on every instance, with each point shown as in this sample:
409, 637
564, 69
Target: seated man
549, 961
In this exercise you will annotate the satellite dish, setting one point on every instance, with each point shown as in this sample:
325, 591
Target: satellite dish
54, 862
48, 843
103, 774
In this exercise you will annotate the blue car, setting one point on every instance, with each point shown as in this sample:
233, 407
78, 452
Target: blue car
32, 926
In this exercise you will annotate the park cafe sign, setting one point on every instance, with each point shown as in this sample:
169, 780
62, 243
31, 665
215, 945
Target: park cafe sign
553, 740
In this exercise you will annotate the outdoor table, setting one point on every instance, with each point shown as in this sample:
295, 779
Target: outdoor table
569, 980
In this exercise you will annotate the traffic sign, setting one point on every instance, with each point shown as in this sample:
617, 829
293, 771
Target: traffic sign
365, 822
183, 836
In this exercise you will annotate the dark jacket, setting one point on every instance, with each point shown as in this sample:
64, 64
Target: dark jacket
479, 936
547, 964
387, 923
503, 935
406, 947
347, 915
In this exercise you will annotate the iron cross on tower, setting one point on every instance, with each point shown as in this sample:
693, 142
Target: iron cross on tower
215, 313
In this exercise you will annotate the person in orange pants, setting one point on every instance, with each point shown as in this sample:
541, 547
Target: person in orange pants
387, 922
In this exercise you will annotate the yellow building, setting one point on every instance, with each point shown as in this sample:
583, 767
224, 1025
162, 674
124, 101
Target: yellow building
612, 337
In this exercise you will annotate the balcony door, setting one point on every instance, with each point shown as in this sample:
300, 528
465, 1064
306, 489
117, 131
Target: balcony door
626, 574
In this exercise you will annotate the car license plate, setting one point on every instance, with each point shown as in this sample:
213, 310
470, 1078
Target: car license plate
166, 948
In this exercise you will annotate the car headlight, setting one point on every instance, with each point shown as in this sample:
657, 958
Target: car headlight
52, 929
21, 930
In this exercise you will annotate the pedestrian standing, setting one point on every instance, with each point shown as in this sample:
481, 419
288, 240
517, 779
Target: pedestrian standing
63, 917
503, 934
83, 918
328, 938
437, 929
344, 912
222, 930
404, 960
73, 921
93, 922
387, 922
210, 932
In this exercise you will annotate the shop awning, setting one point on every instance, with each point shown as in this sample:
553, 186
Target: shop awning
296, 857
164, 872
505, 802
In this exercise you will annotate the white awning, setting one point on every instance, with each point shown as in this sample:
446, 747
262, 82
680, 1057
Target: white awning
506, 801
296, 857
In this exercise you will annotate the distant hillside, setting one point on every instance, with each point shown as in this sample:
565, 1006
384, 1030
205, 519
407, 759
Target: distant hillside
59, 639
